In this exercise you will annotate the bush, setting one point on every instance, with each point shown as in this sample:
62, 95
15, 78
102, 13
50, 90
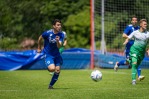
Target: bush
9, 44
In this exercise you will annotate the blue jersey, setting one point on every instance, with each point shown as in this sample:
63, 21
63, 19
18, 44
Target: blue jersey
128, 30
50, 45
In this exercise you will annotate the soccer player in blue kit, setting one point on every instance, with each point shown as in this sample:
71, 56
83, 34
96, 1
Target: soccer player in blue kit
53, 39
128, 30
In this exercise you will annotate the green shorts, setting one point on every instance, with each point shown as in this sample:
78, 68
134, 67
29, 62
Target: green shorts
135, 58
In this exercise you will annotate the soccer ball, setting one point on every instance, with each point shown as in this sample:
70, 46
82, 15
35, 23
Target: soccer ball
96, 75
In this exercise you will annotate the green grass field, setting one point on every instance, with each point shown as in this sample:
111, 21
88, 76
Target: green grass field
72, 84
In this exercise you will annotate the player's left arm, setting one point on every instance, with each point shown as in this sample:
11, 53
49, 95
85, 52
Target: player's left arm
65, 42
65, 39
147, 50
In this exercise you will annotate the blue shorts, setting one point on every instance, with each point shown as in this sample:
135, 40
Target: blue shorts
57, 61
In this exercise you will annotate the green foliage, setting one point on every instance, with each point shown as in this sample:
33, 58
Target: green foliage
117, 43
29, 18
9, 44
79, 26
114, 27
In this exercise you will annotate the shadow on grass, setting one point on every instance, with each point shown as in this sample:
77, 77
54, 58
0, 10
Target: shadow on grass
59, 89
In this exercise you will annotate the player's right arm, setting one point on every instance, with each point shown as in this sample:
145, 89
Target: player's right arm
39, 44
126, 41
125, 35
128, 38
58, 41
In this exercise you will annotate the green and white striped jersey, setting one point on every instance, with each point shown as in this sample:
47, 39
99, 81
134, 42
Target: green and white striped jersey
140, 42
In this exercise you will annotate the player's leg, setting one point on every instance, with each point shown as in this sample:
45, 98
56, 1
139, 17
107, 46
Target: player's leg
140, 77
117, 64
49, 62
55, 77
58, 62
139, 71
122, 62
134, 65
61, 49
51, 68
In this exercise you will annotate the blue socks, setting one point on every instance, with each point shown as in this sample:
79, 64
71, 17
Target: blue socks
122, 62
54, 79
139, 71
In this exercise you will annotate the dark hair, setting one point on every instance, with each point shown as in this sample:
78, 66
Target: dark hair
56, 20
133, 17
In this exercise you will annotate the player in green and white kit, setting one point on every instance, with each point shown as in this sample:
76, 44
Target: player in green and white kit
61, 49
138, 49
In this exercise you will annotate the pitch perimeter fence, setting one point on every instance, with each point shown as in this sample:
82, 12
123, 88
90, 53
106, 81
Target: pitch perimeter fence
76, 58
